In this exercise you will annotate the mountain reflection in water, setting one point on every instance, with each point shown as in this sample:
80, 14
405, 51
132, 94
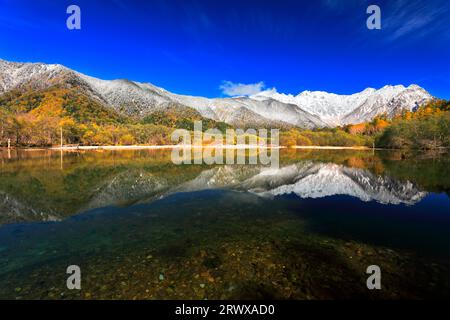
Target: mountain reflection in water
99, 179
307, 230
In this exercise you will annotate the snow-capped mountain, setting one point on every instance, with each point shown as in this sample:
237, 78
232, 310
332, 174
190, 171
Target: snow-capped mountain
356, 108
269, 108
36, 75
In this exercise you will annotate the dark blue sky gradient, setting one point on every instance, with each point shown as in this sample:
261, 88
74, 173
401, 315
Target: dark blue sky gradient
191, 47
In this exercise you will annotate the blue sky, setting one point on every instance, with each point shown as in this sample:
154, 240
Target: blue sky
210, 47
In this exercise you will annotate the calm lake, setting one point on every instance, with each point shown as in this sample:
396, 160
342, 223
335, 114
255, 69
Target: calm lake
141, 227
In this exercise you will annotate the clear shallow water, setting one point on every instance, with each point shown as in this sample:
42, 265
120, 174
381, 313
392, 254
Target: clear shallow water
141, 227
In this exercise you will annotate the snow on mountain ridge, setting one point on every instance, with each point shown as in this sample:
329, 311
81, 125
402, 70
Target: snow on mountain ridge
308, 109
13, 74
337, 109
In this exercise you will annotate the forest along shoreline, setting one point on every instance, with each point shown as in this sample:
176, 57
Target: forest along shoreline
155, 147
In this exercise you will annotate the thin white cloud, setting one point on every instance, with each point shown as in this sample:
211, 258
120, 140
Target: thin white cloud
239, 89
417, 18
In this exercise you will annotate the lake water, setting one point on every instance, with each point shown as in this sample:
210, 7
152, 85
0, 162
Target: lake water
141, 227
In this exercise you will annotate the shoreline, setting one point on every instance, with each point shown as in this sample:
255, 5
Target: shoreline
168, 147
137, 147
336, 148
165, 147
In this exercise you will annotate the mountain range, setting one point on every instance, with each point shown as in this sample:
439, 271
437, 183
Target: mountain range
309, 109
